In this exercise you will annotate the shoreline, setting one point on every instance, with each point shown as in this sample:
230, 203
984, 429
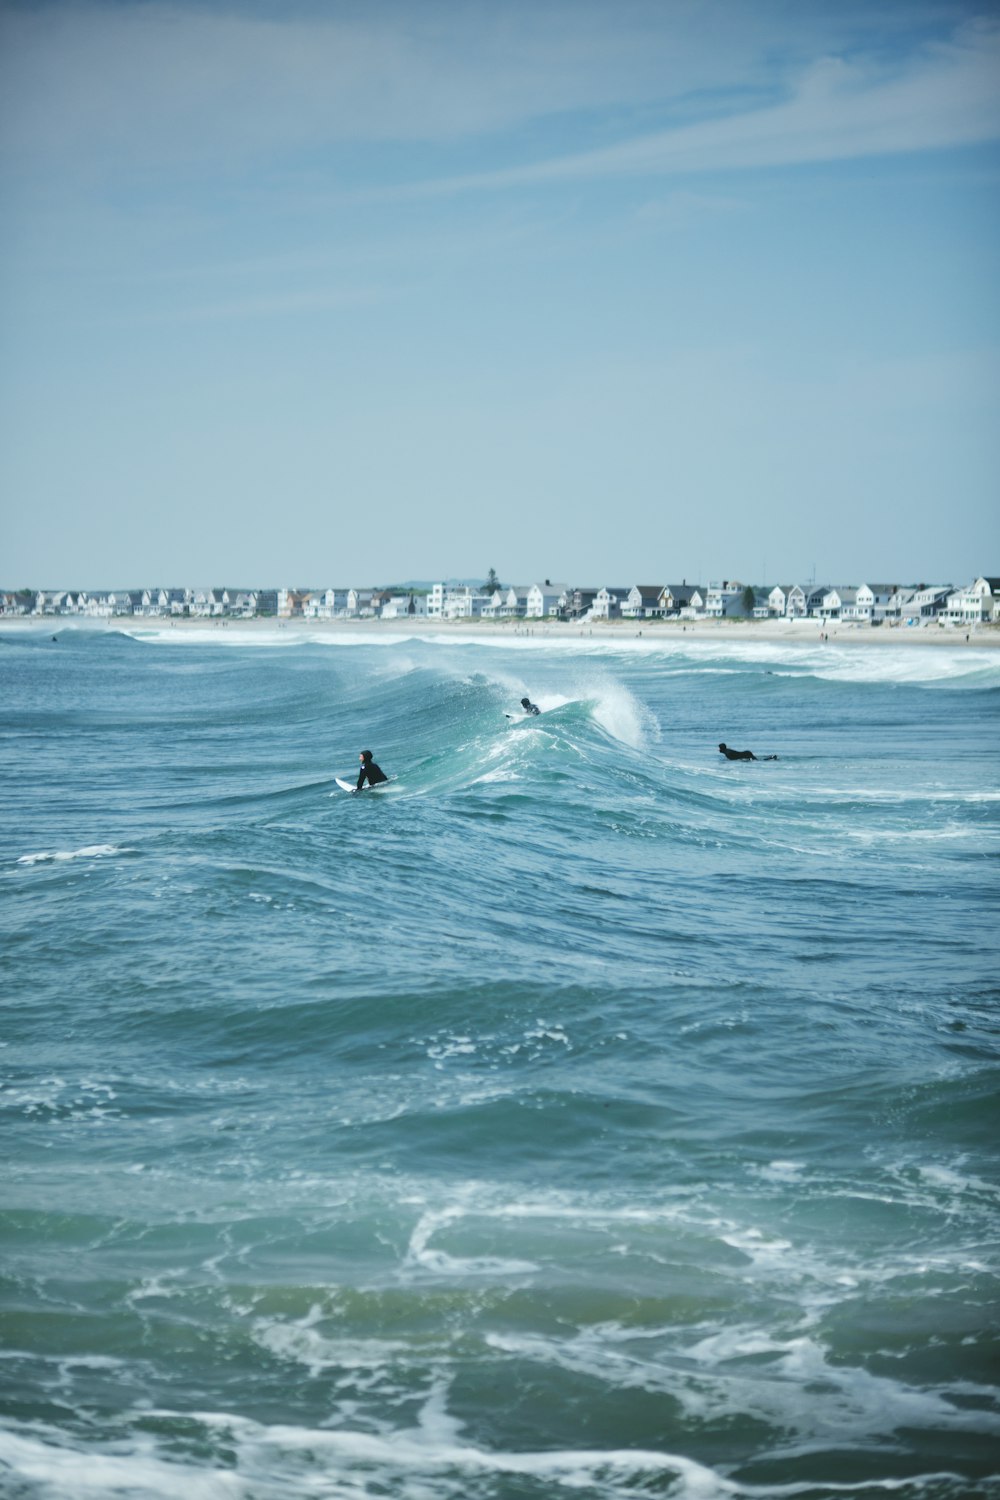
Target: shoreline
673, 632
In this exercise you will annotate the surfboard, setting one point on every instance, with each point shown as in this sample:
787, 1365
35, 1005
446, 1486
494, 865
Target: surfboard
350, 786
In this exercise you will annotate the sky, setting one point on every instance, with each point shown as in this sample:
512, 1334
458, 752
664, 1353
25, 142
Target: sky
350, 292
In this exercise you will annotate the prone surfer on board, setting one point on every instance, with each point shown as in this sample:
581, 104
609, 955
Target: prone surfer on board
743, 754
369, 771
529, 707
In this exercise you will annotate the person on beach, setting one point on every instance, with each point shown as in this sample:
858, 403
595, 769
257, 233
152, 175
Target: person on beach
529, 707
369, 770
743, 754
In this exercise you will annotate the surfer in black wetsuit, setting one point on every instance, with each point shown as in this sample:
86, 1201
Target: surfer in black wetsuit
369, 771
743, 754
529, 707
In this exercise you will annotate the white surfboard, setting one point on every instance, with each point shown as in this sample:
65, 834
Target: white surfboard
350, 786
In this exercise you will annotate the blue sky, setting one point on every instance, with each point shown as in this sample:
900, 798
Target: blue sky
345, 293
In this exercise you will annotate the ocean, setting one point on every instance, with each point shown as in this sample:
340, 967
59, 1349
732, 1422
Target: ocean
581, 1115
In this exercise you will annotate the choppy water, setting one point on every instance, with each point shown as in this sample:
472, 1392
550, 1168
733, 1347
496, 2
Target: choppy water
581, 1115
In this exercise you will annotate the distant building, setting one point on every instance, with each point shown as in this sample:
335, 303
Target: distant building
543, 599
978, 604
725, 600
404, 606
683, 600
608, 602
642, 602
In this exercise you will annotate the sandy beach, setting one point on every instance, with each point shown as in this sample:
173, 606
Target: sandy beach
760, 632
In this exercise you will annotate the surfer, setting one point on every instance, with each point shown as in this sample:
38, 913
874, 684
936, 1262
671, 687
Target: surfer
743, 754
369, 771
529, 707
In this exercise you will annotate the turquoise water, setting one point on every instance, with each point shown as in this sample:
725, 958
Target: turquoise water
581, 1115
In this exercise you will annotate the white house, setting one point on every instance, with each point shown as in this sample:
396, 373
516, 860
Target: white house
835, 601
543, 599
787, 600
359, 602
977, 604
404, 606
871, 602
608, 602
724, 600
435, 601
324, 604
464, 603
642, 602
514, 605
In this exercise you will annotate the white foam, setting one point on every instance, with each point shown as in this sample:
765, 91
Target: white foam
89, 851
302, 1342
59, 1469
410, 1460
420, 1254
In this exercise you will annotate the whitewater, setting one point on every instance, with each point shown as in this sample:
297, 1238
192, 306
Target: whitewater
580, 1115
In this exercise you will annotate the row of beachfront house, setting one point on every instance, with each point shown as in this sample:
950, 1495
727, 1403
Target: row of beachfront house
102, 604
862, 604
865, 604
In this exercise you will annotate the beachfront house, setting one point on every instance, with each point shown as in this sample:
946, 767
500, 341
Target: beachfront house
514, 605
930, 600
435, 602
404, 607
543, 599
209, 602
463, 602
575, 603
608, 602
898, 605
359, 603
324, 604
977, 604
725, 600
685, 600
835, 601
242, 603
872, 600
787, 601
814, 599
989, 589
17, 603
179, 601
642, 602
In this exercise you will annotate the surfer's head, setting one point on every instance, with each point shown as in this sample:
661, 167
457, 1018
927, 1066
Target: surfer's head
723, 749
525, 702
366, 756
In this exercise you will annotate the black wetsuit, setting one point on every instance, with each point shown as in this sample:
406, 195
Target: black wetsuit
743, 754
374, 773
530, 708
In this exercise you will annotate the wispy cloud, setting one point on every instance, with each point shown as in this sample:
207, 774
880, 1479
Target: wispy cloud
167, 82
946, 95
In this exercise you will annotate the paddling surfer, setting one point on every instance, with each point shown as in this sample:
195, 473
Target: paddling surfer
529, 707
743, 754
